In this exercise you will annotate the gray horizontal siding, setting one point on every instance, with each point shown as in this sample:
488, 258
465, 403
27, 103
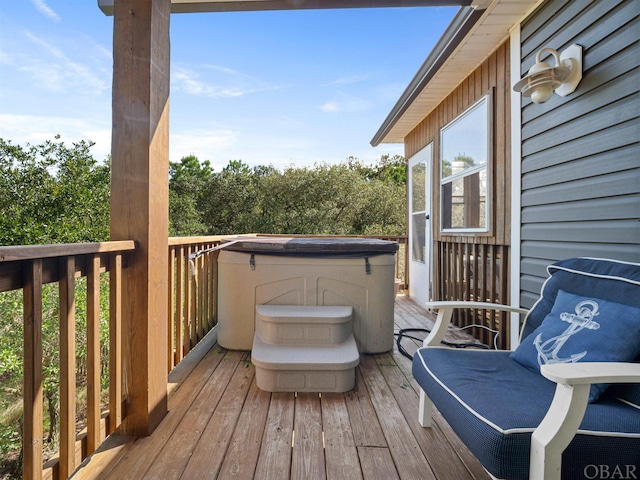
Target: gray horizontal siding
623, 110
581, 154
609, 232
616, 208
606, 151
617, 184
538, 250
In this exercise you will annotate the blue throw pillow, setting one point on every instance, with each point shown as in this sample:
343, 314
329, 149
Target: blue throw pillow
583, 329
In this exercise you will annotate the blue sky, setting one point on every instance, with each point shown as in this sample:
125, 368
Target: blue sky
280, 88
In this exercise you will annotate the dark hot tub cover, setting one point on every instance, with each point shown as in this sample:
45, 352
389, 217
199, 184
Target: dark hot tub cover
301, 246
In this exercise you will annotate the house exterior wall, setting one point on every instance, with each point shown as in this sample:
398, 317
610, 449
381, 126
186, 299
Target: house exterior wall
474, 265
492, 76
580, 193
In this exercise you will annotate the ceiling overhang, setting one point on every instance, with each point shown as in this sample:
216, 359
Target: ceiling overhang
471, 37
189, 6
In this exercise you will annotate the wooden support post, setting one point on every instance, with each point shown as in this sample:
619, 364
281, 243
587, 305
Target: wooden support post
139, 201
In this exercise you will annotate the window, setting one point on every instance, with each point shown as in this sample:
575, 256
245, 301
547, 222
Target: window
419, 210
464, 185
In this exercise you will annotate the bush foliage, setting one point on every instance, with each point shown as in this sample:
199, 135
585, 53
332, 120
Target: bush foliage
349, 198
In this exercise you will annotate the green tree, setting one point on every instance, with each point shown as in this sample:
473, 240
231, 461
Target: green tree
348, 198
49, 193
393, 169
310, 200
187, 181
231, 200
52, 193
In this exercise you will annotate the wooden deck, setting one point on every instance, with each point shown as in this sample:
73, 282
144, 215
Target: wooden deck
220, 425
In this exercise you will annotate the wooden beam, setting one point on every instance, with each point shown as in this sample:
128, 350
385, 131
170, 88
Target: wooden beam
13, 253
190, 6
139, 201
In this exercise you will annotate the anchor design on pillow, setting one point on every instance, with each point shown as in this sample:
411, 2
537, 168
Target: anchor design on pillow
548, 351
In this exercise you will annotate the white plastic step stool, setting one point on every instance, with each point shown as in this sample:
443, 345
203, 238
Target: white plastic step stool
303, 325
304, 348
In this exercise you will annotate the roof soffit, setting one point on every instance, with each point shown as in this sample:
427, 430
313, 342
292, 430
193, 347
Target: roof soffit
486, 34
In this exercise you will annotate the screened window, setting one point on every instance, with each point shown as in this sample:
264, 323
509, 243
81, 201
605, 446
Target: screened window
464, 185
418, 211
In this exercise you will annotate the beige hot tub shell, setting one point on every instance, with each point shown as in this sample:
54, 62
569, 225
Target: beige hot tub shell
247, 280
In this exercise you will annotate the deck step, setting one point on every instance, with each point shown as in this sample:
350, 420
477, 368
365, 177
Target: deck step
305, 368
304, 324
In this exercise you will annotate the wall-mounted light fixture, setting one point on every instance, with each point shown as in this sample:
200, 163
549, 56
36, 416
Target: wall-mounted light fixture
543, 79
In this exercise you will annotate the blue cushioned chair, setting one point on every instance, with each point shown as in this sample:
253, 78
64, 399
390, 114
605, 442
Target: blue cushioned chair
535, 413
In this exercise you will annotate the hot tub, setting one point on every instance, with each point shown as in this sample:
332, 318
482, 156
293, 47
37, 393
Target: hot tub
307, 271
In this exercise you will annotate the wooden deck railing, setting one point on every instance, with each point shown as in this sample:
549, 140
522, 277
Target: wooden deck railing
193, 287
28, 268
478, 273
192, 306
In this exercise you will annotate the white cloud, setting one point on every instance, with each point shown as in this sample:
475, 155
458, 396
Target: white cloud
56, 72
227, 70
189, 82
228, 83
346, 103
32, 129
204, 144
331, 107
46, 10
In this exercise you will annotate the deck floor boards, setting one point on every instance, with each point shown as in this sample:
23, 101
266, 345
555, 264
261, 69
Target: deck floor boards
221, 425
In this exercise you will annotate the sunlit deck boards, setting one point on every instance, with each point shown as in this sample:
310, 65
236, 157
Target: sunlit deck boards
220, 425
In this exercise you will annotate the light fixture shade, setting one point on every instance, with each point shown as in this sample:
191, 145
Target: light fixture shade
543, 79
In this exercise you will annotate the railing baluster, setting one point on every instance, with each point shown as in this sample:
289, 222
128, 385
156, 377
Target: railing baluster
32, 435
188, 301
171, 343
200, 279
93, 353
193, 308
115, 342
206, 298
179, 306
67, 367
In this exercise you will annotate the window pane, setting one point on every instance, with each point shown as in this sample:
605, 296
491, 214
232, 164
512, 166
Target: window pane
419, 224
418, 187
464, 141
464, 202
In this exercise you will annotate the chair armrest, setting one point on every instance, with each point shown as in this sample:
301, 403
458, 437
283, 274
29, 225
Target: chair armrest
565, 414
592, 372
445, 310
